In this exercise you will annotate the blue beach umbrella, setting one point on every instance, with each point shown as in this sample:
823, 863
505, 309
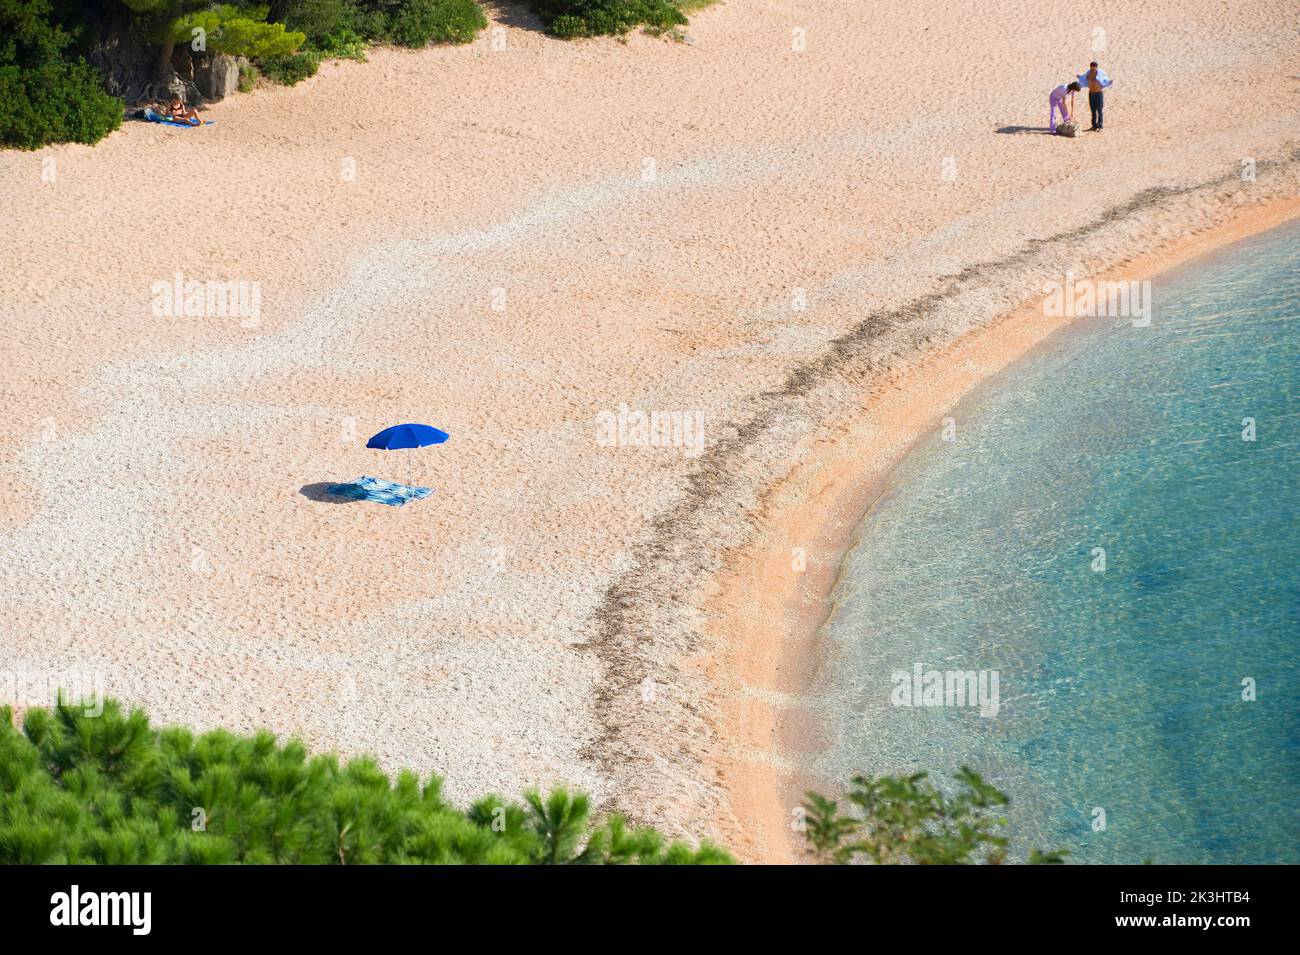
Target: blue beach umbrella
401, 436
407, 436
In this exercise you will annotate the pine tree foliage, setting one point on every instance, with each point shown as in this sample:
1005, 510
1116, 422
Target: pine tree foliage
907, 819
112, 789
235, 30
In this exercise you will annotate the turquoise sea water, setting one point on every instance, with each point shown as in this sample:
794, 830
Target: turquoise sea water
1120, 689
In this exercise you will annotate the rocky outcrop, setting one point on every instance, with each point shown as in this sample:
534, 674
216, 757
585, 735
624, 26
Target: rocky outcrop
129, 64
137, 71
124, 57
216, 76
175, 85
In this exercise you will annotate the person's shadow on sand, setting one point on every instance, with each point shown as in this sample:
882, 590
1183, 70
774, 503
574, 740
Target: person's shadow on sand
1011, 130
320, 492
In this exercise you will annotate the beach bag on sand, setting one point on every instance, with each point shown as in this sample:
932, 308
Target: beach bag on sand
1067, 129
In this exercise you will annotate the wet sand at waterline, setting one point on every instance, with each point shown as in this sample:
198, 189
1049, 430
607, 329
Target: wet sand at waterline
724, 228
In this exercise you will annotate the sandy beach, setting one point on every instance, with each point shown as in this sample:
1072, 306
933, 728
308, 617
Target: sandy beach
810, 252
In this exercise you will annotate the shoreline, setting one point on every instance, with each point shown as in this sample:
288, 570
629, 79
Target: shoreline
775, 654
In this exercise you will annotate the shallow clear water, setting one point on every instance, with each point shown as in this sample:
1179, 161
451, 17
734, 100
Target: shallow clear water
1119, 689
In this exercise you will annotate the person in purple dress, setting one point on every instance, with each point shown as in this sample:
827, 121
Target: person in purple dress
1056, 103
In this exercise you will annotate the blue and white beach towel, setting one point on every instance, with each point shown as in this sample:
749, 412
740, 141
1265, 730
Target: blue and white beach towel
153, 117
383, 492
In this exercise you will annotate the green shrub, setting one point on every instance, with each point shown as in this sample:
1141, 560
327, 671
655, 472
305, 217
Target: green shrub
292, 69
56, 103
346, 44
328, 25
370, 22
571, 18
318, 20
414, 23
906, 819
417, 23
568, 27
248, 77
76, 788
45, 97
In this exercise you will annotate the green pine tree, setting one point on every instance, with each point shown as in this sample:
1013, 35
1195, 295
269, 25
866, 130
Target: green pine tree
906, 819
76, 787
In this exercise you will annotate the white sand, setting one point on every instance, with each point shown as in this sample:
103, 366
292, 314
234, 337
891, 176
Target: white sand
502, 632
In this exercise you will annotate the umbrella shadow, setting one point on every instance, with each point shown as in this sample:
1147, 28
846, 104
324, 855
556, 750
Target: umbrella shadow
320, 492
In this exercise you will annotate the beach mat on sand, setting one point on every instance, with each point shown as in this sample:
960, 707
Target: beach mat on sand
382, 492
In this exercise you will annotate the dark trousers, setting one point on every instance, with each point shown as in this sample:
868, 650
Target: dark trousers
1095, 101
